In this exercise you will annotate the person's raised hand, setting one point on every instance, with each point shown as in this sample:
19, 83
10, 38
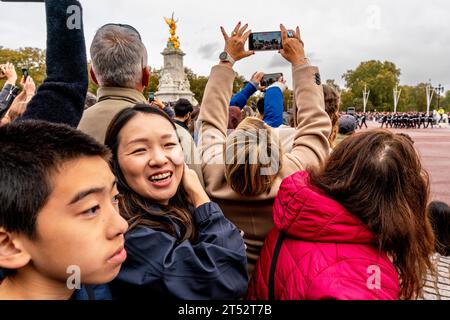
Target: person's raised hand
158, 104
293, 47
282, 80
10, 72
194, 188
257, 77
235, 44
29, 86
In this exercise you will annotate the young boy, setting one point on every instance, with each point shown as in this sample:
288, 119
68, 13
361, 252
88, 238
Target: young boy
59, 216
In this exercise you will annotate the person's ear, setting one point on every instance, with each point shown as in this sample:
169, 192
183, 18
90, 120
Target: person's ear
13, 255
145, 76
93, 76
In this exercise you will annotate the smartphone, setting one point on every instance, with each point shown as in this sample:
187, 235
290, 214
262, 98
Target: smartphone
151, 97
269, 79
25, 74
266, 41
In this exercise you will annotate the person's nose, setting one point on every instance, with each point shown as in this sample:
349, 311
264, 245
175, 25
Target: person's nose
117, 225
158, 158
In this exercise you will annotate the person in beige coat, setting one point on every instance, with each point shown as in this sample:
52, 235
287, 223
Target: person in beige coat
119, 67
243, 171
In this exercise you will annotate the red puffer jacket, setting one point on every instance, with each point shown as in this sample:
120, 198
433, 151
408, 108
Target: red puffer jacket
327, 254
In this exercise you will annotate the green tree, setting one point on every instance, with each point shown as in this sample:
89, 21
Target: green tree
239, 82
198, 84
288, 100
332, 83
31, 58
379, 77
445, 102
346, 99
413, 98
153, 83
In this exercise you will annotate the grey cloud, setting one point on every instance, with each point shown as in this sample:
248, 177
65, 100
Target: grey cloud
278, 61
208, 50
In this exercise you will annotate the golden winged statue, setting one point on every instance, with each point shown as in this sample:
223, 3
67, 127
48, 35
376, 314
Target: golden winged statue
173, 27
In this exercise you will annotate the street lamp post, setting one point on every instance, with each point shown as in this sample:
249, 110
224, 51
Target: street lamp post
439, 90
430, 93
397, 94
366, 94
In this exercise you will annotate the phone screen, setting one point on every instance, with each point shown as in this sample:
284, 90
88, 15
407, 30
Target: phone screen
151, 97
265, 41
25, 73
269, 79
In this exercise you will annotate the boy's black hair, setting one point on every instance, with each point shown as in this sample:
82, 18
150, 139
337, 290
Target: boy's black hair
182, 107
30, 154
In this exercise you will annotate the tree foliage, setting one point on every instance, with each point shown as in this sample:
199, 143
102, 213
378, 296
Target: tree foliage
379, 77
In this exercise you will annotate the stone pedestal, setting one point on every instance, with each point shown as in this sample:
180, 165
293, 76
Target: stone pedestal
173, 82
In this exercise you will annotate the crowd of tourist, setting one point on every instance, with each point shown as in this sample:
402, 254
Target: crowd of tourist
222, 201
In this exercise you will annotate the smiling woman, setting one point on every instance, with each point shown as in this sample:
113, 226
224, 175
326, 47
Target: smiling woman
179, 243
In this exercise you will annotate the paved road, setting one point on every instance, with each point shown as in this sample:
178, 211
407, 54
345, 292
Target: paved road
433, 146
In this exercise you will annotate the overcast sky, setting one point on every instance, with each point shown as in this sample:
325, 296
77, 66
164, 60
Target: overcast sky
338, 35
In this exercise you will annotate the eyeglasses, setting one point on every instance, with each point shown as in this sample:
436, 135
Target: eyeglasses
127, 26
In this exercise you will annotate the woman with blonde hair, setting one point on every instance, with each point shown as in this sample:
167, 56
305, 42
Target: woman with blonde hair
243, 170
332, 106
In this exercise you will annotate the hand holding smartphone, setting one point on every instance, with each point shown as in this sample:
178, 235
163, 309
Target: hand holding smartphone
151, 97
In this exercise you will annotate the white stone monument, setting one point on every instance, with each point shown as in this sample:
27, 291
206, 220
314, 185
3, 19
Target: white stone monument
173, 82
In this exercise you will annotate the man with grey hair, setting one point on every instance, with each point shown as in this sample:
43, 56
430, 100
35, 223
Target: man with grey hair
120, 68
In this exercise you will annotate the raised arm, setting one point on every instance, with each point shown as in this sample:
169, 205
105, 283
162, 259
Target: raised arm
214, 110
240, 99
311, 145
61, 96
273, 104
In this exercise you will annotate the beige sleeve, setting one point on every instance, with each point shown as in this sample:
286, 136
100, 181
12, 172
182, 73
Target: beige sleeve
213, 116
311, 146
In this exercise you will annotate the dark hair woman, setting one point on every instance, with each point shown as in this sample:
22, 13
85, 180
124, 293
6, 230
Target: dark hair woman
179, 243
355, 229
436, 285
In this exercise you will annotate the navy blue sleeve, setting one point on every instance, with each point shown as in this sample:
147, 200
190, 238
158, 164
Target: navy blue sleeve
273, 107
93, 292
169, 111
213, 268
61, 97
4, 94
240, 99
